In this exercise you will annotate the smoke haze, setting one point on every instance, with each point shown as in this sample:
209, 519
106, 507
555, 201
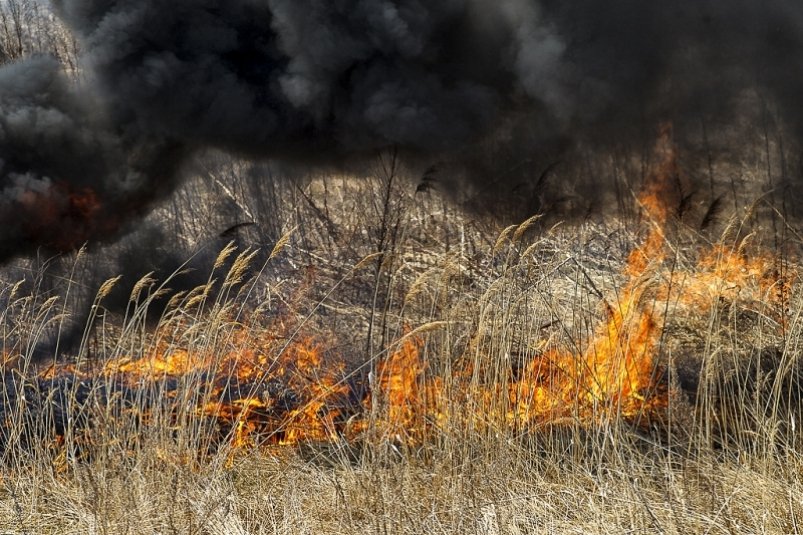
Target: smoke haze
323, 81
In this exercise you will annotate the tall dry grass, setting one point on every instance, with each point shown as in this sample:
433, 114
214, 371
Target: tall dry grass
726, 458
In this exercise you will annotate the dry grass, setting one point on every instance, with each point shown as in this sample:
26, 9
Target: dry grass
725, 458
504, 492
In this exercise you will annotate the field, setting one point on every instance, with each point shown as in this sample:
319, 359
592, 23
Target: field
259, 339
368, 357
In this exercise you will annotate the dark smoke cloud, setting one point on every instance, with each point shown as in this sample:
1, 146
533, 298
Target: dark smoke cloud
323, 80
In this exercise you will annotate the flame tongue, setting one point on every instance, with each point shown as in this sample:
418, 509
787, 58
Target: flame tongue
616, 374
621, 360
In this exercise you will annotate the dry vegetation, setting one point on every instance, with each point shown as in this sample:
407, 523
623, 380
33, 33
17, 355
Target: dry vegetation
394, 344
349, 268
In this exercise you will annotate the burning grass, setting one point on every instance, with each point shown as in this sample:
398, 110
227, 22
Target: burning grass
537, 389
222, 422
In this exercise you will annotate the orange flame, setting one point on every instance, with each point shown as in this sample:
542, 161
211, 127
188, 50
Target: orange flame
282, 400
616, 374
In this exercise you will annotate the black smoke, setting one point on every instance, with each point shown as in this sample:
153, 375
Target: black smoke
331, 80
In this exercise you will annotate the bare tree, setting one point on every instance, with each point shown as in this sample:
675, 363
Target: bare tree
29, 27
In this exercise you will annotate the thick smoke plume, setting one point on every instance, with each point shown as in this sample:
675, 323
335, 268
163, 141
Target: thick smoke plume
324, 80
